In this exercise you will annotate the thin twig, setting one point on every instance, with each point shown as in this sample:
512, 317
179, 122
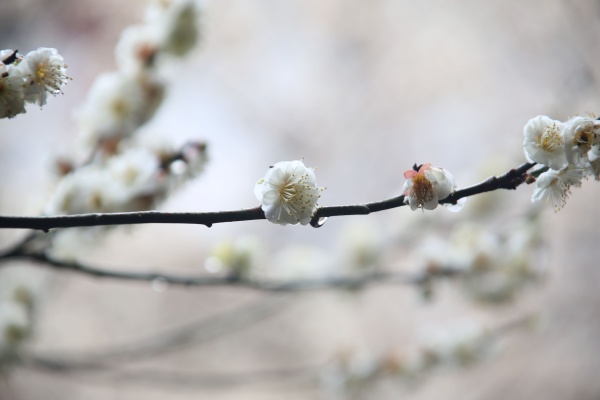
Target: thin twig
510, 180
193, 333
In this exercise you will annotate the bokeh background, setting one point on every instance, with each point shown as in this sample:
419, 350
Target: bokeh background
361, 90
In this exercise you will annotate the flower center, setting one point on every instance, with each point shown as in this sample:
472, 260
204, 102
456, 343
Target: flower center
288, 191
584, 140
41, 72
422, 189
551, 139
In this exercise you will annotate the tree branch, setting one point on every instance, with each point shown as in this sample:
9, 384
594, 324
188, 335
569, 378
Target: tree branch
336, 282
510, 180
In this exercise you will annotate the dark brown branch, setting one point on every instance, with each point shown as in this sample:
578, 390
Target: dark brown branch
339, 282
510, 180
130, 218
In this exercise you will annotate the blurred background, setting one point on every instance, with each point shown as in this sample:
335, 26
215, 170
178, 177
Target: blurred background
360, 90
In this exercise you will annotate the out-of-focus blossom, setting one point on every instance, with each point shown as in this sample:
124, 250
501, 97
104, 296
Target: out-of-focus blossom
137, 48
288, 193
131, 181
177, 22
490, 266
119, 103
362, 247
301, 262
15, 324
243, 258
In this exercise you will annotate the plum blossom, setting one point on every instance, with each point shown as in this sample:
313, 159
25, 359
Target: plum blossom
580, 135
426, 185
288, 193
176, 21
137, 48
544, 142
554, 186
44, 72
12, 93
29, 79
119, 103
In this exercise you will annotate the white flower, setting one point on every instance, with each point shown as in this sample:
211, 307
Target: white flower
288, 193
243, 257
131, 181
177, 23
554, 186
15, 324
118, 104
137, 48
80, 192
544, 142
44, 72
426, 185
580, 135
12, 92
362, 247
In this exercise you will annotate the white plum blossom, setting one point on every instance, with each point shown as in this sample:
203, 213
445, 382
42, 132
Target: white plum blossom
288, 193
12, 92
181, 27
119, 103
569, 149
138, 174
29, 79
544, 142
426, 185
137, 48
171, 29
554, 186
131, 181
244, 258
79, 192
176, 21
44, 72
580, 134
15, 325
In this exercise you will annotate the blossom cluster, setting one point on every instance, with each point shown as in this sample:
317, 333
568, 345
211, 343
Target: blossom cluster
122, 101
136, 179
124, 170
490, 266
29, 79
351, 371
570, 150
